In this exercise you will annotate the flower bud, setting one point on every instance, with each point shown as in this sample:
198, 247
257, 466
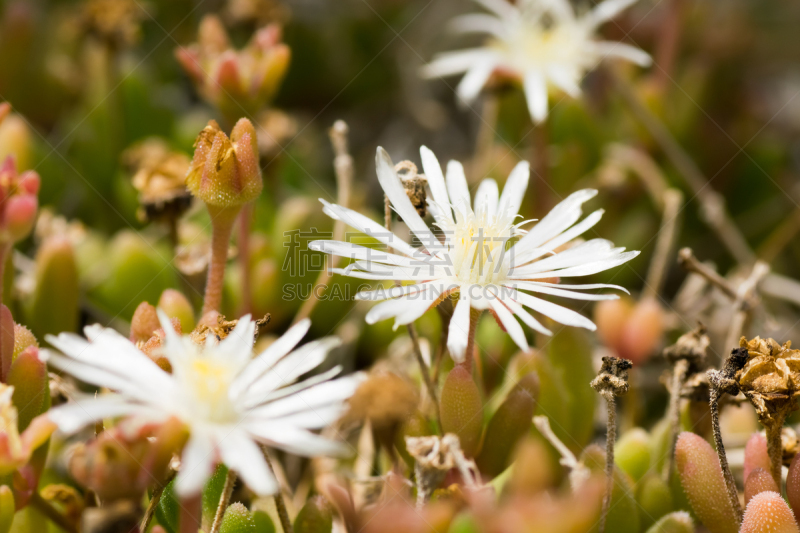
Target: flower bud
28, 376
511, 421
768, 513
610, 317
237, 82
225, 172
702, 481
759, 480
462, 409
15, 139
642, 332
56, 281
677, 522
315, 517
18, 202
176, 305
144, 323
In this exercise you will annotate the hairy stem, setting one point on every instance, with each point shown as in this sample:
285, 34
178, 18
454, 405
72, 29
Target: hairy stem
154, 499
775, 447
730, 484
222, 221
611, 437
280, 504
679, 372
224, 498
243, 243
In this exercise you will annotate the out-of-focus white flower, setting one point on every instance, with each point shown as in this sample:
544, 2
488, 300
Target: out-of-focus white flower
228, 400
540, 43
485, 256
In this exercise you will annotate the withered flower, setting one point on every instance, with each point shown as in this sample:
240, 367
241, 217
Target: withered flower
159, 178
414, 184
216, 326
770, 379
115, 22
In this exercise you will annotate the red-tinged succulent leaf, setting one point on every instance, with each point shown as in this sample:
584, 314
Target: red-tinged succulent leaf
702, 481
144, 323
768, 513
755, 454
642, 331
759, 481
28, 376
511, 422
462, 409
793, 486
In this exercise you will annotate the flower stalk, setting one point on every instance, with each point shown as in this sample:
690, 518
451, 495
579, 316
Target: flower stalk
611, 381
224, 499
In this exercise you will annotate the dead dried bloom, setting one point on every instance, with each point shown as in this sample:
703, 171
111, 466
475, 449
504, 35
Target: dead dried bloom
770, 379
433, 457
216, 325
414, 185
159, 176
612, 380
385, 399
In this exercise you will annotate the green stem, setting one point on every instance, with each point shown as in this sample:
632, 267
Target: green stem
225, 497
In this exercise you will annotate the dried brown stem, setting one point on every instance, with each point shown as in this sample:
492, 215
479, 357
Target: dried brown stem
611, 437
343, 168
730, 484
679, 372
672, 200
745, 302
688, 261
713, 209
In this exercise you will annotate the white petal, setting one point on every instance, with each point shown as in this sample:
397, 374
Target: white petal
514, 189
561, 217
565, 79
197, 463
451, 63
287, 370
310, 399
433, 172
526, 317
267, 359
241, 454
393, 291
487, 197
457, 187
479, 23
297, 441
238, 345
369, 227
356, 251
585, 286
391, 185
459, 330
614, 49
85, 409
404, 310
474, 80
556, 312
575, 231
510, 324
536, 94
536, 287
607, 10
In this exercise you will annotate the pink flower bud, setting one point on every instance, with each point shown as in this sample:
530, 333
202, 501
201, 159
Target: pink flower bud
20, 214
642, 331
610, 317
18, 202
768, 513
144, 323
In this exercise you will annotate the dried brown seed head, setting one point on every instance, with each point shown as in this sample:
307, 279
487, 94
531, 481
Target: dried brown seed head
613, 377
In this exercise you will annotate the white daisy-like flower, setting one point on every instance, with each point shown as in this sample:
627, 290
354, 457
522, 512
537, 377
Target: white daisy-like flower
485, 256
228, 400
540, 43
